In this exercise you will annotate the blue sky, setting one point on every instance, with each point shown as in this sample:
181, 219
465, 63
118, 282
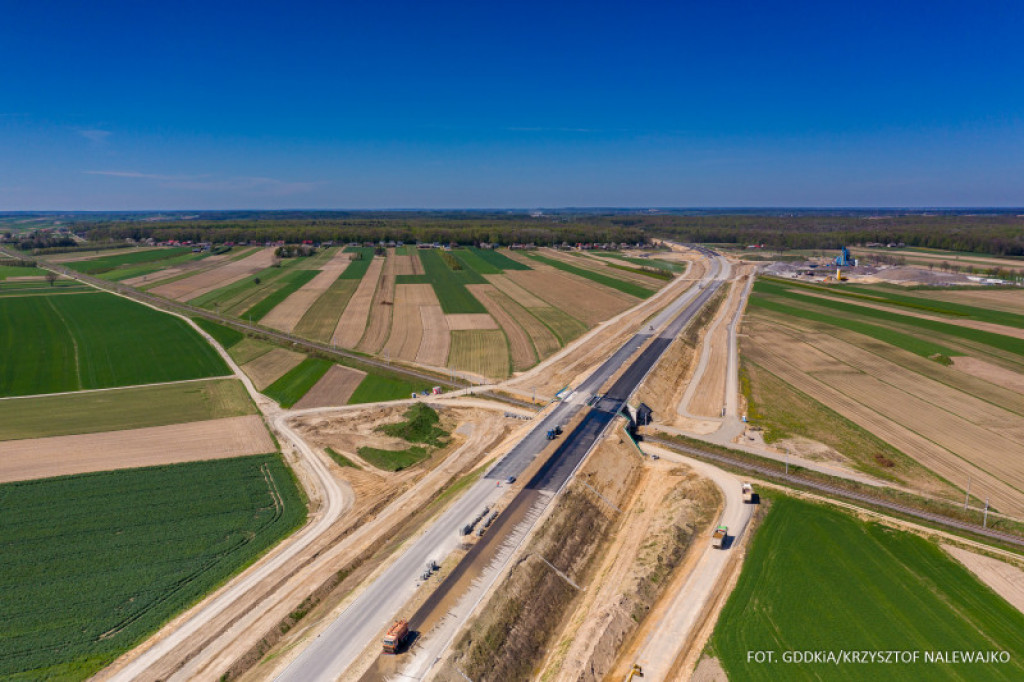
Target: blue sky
205, 105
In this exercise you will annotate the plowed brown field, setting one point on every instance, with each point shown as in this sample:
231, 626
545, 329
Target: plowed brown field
989, 372
437, 338
352, 323
471, 321
63, 455
286, 315
379, 325
334, 388
922, 418
221, 276
407, 328
590, 303
269, 367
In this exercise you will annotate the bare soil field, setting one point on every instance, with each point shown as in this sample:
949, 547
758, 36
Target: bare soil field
471, 321
516, 292
1007, 300
1004, 578
379, 325
63, 455
407, 265
520, 346
709, 396
437, 338
75, 256
905, 415
271, 366
483, 352
989, 372
286, 315
407, 326
574, 295
333, 389
352, 323
220, 276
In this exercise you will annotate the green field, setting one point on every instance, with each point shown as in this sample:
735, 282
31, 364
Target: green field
564, 326
341, 459
611, 282
14, 271
238, 296
498, 259
450, 285
848, 311
225, 336
124, 408
288, 283
419, 426
290, 388
817, 579
375, 388
95, 340
645, 262
92, 564
357, 269
96, 266
321, 319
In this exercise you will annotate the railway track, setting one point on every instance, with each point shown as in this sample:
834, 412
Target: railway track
841, 493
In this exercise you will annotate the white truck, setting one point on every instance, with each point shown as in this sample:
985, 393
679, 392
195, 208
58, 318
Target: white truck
719, 536
748, 493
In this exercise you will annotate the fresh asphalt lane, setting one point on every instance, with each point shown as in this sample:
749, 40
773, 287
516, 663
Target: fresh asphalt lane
373, 610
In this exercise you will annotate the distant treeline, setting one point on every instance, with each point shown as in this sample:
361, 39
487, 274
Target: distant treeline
457, 231
1001, 235
992, 233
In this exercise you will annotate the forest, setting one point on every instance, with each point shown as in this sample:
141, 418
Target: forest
990, 232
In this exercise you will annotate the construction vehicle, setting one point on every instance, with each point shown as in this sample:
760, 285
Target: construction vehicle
748, 493
551, 434
635, 671
396, 636
719, 536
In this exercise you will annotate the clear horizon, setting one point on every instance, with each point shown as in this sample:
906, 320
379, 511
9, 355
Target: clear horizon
111, 107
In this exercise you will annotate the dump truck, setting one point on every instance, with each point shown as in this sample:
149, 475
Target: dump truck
718, 537
395, 637
748, 493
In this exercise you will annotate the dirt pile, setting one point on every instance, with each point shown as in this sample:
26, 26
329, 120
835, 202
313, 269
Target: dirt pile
509, 638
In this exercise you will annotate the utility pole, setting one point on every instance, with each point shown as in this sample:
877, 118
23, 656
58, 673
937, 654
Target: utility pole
984, 523
968, 495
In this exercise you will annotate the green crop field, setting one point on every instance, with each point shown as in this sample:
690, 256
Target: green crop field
225, 336
845, 311
236, 297
14, 271
123, 408
375, 388
95, 340
96, 266
357, 269
817, 579
646, 262
290, 388
498, 259
474, 260
92, 564
321, 319
604, 280
419, 426
450, 285
288, 283
128, 271
61, 286
907, 342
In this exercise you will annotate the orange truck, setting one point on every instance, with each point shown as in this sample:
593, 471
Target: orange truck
395, 636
